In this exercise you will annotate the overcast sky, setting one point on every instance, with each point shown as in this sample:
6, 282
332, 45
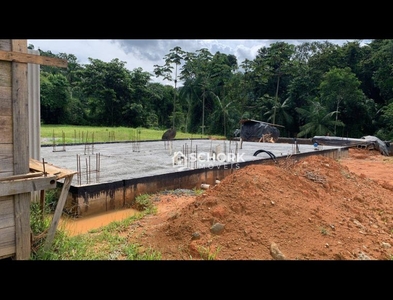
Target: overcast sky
147, 53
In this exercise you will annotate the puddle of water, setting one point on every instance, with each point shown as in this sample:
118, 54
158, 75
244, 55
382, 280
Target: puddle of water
75, 226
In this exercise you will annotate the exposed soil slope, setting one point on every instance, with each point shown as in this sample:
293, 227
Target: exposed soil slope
316, 208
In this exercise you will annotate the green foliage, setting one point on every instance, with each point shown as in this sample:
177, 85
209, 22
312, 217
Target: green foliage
318, 121
55, 98
340, 91
38, 223
198, 191
51, 197
108, 242
352, 81
324, 231
143, 202
386, 119
207, 253
105, 243
382, 62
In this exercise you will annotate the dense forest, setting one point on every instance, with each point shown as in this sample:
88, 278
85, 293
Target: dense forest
315, 88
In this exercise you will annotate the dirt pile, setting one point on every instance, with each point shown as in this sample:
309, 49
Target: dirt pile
316, 208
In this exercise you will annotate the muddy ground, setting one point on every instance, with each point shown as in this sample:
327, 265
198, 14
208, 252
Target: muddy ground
316, 208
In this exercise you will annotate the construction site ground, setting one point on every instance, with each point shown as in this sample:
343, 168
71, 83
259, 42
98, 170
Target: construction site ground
109, 162
316, 208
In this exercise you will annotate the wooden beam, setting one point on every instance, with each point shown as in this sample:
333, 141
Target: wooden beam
22, 176
27, 185
32, 59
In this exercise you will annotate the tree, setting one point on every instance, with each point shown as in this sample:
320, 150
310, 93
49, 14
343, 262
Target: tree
138, 110
108, 88
160, 101
175, 56
273, 63
386, 130
222, 110
244, 91
340, 91
278, 110
280, 60
382, 59
54, 98
318, 120
188, 92
197, 71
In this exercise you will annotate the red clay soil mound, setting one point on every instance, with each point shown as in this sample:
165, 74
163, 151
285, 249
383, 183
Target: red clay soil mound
309, 209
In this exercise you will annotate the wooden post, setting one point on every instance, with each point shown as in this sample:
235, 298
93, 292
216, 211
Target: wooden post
21, 150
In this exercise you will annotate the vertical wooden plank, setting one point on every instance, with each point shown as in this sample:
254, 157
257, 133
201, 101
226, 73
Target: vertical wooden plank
22, 226
5, 45
34, 105
7, 242
7, 227
20, 111
5, 75
6, 129
6, 152
7, 234
21, 150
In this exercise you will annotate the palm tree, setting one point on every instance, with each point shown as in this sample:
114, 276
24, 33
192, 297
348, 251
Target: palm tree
223, 109
278, 113
318, 120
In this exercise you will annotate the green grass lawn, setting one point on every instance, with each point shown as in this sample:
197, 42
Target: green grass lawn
72, 134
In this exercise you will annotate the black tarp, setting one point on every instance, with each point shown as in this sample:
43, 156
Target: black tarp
368, 140
253, 130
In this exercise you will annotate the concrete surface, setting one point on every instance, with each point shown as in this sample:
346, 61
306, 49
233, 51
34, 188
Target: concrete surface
110, 162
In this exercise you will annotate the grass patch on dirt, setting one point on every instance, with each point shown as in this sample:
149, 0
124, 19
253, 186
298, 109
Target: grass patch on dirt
106, 243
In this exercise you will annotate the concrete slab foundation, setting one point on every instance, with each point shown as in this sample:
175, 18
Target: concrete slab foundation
111, 175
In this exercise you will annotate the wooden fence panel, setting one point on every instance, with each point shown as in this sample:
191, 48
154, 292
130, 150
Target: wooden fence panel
7, 226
